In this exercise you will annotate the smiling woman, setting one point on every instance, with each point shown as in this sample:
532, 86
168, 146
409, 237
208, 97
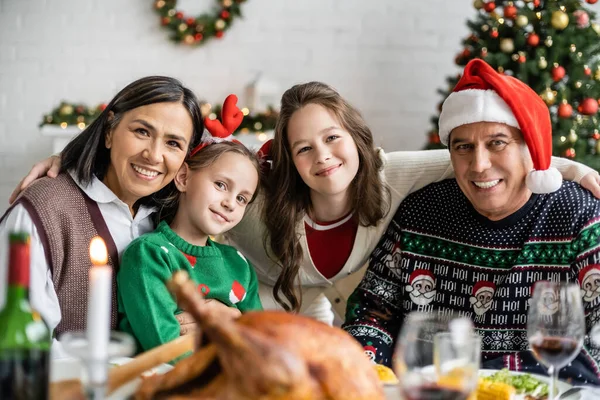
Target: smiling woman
112, 176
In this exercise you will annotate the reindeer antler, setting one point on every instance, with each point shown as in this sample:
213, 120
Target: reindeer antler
232, 118
231, 115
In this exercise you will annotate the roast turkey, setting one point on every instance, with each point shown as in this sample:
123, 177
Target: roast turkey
267, 355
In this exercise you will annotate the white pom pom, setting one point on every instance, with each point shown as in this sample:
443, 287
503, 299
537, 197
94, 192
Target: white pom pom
544, 181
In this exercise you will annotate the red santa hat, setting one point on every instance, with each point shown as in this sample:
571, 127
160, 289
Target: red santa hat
370, 349
484, 95
587, 271
421, 274
483, 286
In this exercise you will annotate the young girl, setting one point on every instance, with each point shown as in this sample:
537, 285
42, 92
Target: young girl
329, 197
215, 185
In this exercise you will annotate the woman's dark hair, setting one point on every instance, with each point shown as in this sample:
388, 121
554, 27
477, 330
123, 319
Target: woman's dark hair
288, 197
204, 159
87, 154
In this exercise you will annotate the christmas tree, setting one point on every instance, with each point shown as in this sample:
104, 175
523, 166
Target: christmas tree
554, 47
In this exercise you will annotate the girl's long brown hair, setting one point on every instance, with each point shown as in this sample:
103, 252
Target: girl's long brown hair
288, 197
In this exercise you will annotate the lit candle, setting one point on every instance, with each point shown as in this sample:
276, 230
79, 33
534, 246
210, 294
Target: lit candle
99, 302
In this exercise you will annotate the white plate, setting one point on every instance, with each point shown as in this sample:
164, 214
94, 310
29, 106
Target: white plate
70, 368
392, 392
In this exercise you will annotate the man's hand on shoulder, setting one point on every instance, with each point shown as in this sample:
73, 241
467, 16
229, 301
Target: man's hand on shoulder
48, 167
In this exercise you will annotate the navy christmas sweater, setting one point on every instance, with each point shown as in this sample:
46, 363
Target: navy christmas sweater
440, 255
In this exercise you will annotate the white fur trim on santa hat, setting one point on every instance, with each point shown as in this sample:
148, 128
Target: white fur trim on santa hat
470, 106
544, 181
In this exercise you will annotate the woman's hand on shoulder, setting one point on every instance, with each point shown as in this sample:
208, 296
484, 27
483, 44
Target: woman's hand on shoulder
49, 167
591, 182
188, 325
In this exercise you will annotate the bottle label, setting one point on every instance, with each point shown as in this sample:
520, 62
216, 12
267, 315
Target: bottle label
24, 374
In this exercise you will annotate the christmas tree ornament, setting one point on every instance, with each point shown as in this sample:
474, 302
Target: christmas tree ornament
533, 39
227, 3
220, 24
596, 28
536, 3
189, 39
515, 57
500, 69
494, 34
507, 45
578, 84
591, 1
548, 42
542, 63
582, 18
570, 153
484, 28
510, 11
495, 16
522, 58
565, 110
596, 134
560, 20
159, 4
572, 48
558, 72
522, 21
587, 70
489, 6
66, 109
165, 21
478, 4
588, 106
572, 136
598, 146
549, 96
484, 52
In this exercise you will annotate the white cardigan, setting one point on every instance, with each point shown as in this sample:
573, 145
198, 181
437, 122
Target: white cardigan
404, 172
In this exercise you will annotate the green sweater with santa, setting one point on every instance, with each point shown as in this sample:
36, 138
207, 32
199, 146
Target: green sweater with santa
146, 307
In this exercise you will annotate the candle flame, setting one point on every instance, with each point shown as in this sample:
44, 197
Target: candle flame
98, 253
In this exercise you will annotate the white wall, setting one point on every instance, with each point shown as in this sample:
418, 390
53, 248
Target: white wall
387, 57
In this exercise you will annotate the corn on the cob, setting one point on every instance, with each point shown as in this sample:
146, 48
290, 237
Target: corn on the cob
488, 390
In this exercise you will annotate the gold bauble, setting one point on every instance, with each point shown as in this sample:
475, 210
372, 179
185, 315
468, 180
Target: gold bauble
66, 110
549, 96
573, 48
81, 118
159, 4
542, 63
507, 45
227, 3
578, 84
485, 28
572, 136
220, 24
597, 74
560, 20
494, 15
598, 146
596, 28
182, 27
478, 4
522, 21
188, 39
515, 57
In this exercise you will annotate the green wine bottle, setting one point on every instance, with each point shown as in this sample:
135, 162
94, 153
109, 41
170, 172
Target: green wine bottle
24, 336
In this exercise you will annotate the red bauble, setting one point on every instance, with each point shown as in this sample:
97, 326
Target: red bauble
219, 34
588, 106
558, 73
596, 135
484, 53
591, 1
533, 39
522, 59
190, 21
466, 53
179, 15
434, 138
165, 21
102, 106
536, 3
510, 12
225, 14
198, 37
489, 6
565, 110
494, 34
570, 153
587, 70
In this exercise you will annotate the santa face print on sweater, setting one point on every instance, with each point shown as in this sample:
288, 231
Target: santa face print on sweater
589, 280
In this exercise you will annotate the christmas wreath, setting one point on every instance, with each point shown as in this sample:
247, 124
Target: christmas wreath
197, 30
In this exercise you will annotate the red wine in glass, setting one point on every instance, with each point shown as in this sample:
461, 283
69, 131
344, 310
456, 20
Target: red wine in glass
555, 351
433, 392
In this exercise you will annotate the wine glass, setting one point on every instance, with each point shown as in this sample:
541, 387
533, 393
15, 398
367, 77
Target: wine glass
437, 357
555, 326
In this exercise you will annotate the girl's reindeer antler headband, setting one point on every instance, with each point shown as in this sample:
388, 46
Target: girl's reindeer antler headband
218, 132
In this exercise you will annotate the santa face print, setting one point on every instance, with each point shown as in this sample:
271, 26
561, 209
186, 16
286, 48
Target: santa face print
422, 287
482, 298
590, 287
392, 261
548, 303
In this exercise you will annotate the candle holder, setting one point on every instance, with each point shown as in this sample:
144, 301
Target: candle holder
95, 372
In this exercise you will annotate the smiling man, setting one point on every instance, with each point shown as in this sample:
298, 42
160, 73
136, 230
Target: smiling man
484, 238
